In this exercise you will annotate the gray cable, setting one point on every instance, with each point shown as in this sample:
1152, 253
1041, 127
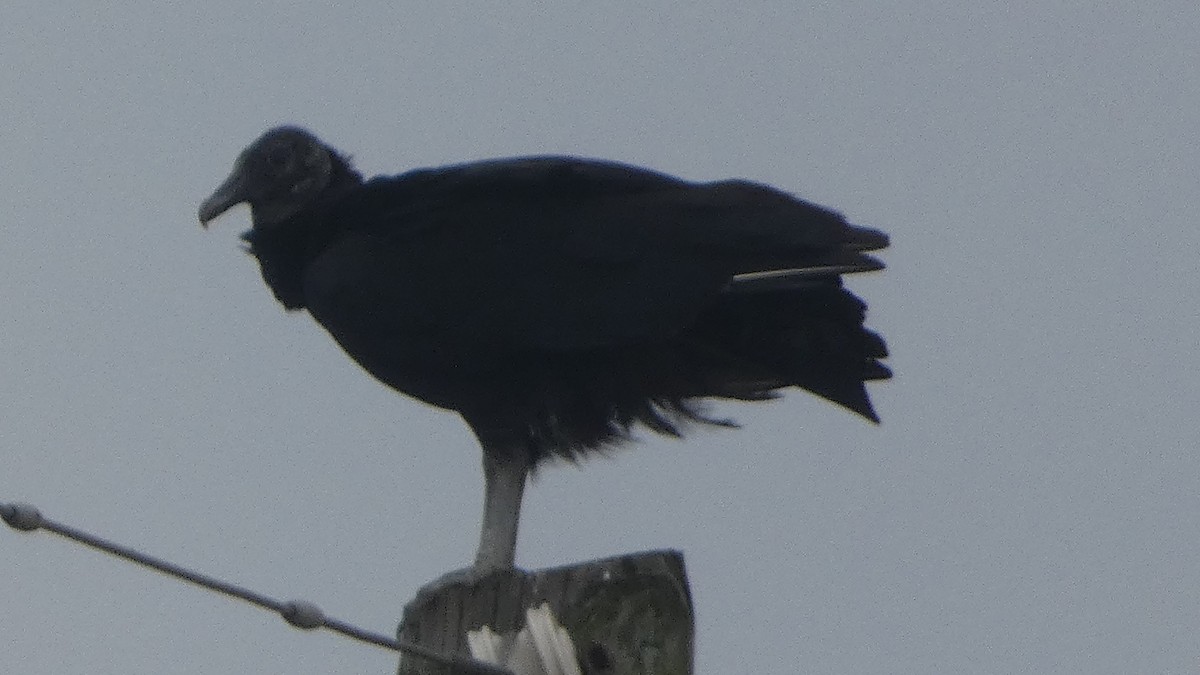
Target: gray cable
299, 613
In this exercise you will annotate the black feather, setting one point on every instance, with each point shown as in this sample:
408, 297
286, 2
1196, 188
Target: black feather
558, 303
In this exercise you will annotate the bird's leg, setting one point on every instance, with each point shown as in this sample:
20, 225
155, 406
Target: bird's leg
504, 477
506, 465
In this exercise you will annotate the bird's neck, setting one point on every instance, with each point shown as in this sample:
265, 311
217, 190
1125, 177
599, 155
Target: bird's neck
284, 250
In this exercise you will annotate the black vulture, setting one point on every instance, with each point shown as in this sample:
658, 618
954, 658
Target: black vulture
556, 303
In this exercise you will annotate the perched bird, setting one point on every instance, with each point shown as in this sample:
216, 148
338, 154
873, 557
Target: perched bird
556, 303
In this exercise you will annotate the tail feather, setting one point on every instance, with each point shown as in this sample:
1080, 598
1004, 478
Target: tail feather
805, 334
845, 262
861, 238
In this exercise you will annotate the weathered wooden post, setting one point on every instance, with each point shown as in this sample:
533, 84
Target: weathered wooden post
626, 615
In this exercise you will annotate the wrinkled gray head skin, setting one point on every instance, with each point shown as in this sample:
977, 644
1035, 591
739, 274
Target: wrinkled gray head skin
277, 175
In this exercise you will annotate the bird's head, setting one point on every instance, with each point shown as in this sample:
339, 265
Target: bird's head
277, 175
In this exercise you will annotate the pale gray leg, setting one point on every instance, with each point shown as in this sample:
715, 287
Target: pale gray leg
504, 485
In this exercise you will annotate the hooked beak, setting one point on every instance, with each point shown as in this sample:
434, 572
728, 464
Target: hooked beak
228, 195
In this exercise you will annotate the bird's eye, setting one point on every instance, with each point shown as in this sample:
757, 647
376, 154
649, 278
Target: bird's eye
277, 157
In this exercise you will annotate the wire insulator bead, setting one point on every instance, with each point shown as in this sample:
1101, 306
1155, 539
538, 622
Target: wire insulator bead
21, 516
303, 614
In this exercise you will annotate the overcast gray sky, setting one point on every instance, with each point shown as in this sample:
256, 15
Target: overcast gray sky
1031, 502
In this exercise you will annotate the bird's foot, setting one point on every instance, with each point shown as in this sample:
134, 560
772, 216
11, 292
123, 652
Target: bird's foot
454, 587
465, 578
